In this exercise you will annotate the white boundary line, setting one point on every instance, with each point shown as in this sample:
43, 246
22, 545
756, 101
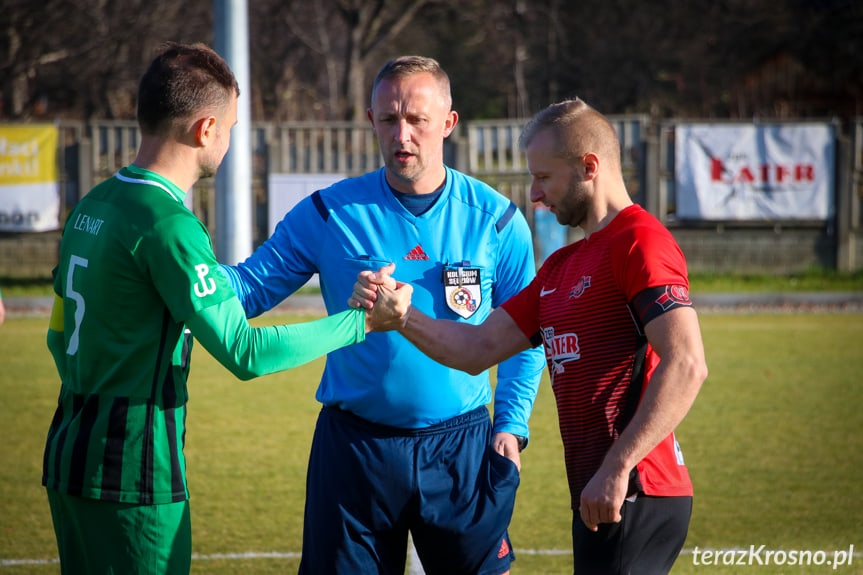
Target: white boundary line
248, 555
16, 562
413, 560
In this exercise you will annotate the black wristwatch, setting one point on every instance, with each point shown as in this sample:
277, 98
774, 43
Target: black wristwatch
522, 442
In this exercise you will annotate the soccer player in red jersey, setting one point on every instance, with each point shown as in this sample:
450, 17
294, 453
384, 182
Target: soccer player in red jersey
622, 344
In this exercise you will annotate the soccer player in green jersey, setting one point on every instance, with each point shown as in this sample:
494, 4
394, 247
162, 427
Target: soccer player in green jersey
137, 278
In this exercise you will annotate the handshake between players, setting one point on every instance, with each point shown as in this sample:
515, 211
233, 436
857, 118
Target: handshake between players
389, 311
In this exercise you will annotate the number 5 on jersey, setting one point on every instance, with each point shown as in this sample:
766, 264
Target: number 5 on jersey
80, 307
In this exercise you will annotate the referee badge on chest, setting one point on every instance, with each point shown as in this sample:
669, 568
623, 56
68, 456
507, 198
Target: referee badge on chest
463, 289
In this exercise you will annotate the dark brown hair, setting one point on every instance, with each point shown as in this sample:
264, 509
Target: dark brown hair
182, 80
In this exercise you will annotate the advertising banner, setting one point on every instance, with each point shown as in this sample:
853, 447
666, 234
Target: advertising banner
754, 172
29, 191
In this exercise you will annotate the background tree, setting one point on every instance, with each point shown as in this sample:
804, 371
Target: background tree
314, 59
84, 57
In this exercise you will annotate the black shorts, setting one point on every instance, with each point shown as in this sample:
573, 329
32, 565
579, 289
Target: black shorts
647, 540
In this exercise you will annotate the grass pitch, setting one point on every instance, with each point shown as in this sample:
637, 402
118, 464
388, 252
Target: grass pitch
774, 445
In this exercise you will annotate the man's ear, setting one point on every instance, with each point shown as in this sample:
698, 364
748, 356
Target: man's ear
591, 165
371, 115
451, 121
205, 131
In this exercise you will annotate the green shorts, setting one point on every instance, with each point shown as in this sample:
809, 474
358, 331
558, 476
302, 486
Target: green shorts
96, 536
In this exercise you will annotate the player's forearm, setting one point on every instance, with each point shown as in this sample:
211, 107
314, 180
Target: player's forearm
463, 346
450, 343
666, 401
250, 352
676, 338
301, 343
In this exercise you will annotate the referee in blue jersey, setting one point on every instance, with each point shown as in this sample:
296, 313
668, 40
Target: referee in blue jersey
404, 444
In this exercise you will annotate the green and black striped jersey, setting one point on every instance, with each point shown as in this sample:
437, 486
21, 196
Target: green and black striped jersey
134, 264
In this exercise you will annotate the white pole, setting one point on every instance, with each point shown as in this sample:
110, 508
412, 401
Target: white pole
233, 241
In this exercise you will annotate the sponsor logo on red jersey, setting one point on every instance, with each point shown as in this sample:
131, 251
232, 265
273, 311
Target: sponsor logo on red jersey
560, 349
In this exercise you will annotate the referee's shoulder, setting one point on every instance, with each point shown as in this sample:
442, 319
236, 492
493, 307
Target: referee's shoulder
479, 193
347, 190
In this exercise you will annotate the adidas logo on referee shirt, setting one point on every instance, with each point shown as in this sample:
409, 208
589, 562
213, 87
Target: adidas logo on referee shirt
416, 254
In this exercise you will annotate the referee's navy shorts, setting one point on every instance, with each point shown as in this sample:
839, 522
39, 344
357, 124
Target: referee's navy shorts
368, 485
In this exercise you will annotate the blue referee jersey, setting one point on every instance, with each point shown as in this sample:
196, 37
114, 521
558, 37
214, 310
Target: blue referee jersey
466, 255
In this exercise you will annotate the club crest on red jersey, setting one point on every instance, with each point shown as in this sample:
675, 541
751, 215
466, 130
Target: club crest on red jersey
580, 287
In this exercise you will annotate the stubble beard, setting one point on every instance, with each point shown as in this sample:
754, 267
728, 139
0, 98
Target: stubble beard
206, 172
208, 169
574, 211
410, 173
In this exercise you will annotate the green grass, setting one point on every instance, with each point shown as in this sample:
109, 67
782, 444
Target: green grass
773, 443
25, 287
813, 280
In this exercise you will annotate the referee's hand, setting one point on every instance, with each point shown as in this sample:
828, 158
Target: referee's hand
368, 282
387, 302
507, 445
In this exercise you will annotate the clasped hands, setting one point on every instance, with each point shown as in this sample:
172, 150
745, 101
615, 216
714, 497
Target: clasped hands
387, 302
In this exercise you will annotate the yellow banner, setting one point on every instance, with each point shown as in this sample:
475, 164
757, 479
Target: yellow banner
28, 154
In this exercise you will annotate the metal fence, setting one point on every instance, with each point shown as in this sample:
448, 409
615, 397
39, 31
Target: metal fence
93, 151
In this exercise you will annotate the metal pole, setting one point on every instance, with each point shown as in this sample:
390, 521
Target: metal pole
233, 233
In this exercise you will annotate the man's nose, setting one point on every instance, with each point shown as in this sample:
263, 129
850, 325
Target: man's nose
536, 193
403, 132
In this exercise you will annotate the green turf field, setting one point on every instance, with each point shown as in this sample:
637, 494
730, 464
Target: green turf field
774, 445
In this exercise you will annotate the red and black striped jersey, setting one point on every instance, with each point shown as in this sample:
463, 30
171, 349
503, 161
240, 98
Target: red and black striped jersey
583, 305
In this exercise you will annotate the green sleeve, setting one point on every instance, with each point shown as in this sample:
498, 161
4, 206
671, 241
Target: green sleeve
253, 351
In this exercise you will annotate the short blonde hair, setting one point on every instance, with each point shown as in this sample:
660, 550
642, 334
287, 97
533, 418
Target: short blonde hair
405, 66
578, 129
